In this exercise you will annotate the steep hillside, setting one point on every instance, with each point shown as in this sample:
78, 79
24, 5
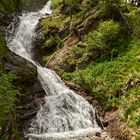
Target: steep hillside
95, 44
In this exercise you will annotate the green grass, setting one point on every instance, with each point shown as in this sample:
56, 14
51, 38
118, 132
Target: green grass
56, 3
107, 81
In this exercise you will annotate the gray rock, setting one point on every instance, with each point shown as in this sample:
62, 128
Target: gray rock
26, 72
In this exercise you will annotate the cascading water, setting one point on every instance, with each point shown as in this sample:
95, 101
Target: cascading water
65, 115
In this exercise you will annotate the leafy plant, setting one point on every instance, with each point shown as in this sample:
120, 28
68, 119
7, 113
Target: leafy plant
106, 79
8, 94
105, 36
109, 7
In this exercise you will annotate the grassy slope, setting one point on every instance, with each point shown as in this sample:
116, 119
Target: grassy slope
113, 78
114, 83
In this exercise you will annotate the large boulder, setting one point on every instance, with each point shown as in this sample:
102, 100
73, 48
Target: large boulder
26, 72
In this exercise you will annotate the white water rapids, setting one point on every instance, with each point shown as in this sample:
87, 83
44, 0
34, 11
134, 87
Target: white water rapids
65, 115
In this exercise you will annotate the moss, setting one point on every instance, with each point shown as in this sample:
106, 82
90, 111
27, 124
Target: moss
56, 4
55, 22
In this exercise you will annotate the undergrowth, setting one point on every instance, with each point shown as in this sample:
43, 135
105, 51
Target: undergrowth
114, 83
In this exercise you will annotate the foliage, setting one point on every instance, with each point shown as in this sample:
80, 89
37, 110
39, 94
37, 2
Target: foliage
108, 82
8, 94
105, 36
134, 20
138, 137
53, 23
74, 4
8, 97
109, 7
1, 45
56, 3
89, 3
103, 41
52, 43
130, 106
8, 6
106, 60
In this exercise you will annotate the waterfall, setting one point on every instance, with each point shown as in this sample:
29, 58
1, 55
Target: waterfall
65, 115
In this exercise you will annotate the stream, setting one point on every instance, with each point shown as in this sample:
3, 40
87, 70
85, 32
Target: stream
65, 115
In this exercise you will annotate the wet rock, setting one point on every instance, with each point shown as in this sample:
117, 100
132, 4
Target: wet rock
31, 100
98, 134
28, 115
25, 70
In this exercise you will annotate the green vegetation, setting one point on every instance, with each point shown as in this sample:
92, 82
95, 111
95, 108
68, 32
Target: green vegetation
114, 83
106, 60
53, 23
56, 3
8, 97
109, 7
134, 20
8, 94
102, 41
105, 79
8, 91
8, 6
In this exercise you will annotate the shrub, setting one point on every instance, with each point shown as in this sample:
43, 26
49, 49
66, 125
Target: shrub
8, 94
109, 7
52, 43
134, 21
106, 79
99, 43
105, 37
9, 6
56, 3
